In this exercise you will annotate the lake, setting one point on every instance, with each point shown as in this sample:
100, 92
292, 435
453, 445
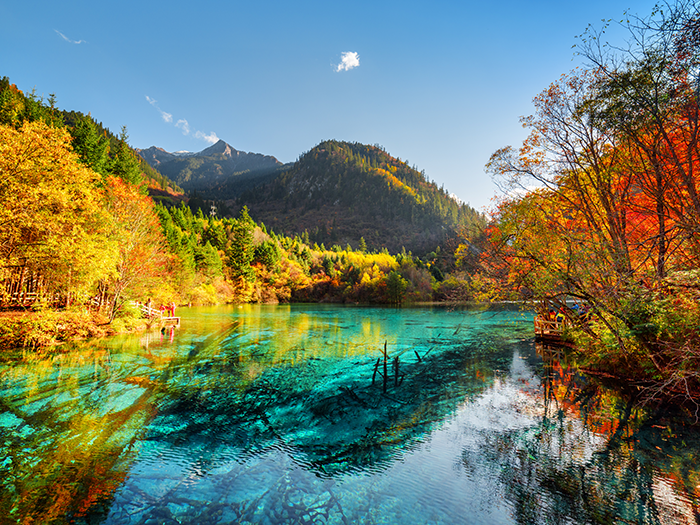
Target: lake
285, 414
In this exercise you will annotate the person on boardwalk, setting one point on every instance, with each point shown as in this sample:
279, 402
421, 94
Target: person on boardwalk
172, 309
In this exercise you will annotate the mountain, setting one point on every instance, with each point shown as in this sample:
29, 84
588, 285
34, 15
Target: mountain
203, 170
339, 192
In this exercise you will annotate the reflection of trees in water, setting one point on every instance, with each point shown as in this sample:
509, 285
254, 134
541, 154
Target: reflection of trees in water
594, 457
61, 457
69, 426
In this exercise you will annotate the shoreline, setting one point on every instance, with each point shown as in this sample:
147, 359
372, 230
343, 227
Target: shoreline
44, 329
47, 329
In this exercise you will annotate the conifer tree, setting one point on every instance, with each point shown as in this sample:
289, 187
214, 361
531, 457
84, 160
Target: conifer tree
242, 251
124, 164
90, 146
363, 245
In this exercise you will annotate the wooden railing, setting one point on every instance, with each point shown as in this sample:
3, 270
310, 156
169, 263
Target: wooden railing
157, 313
22, 298
549, 327
151, 312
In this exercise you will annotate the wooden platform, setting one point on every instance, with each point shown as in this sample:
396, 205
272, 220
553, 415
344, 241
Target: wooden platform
157, 314
549, 330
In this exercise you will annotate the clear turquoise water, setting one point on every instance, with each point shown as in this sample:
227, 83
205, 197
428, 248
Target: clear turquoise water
269, 414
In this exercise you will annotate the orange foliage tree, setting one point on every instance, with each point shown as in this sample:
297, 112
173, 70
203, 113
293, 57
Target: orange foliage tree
52, 225
143, 264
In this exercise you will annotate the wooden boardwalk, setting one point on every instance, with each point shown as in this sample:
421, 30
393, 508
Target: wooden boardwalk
156, 313
549, 330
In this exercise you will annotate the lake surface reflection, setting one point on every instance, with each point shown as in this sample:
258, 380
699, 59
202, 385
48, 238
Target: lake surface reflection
283, 414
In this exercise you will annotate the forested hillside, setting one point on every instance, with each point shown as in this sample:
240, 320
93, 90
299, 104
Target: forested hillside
341, 192
88, 129
100, 148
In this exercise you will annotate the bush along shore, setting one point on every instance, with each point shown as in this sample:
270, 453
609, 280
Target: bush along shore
48, 329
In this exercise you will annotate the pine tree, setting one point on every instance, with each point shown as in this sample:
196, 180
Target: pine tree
363, 245
241, 251
208, 260
124, 164
90, 146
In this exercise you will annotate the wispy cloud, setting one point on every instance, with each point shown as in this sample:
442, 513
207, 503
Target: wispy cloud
348, 60
64, 37
183, 125
211, 138
167, 117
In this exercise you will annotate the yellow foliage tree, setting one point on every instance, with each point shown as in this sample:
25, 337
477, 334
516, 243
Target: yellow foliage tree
52, 224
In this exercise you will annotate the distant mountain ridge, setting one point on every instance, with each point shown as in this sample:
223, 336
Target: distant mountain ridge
340, 192
202, 170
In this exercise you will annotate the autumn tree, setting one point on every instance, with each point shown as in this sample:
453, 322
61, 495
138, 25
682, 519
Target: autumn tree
606, 208
142, 262
52, 223
647, 93
11, 103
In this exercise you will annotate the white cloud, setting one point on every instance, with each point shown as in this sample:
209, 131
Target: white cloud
167, 117
348, 61
64, 37
183, 125
211, 138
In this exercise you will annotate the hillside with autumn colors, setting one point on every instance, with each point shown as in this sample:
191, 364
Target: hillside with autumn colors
340, 192
336, 193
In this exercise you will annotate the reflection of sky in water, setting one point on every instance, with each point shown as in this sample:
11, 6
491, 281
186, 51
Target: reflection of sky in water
262, 414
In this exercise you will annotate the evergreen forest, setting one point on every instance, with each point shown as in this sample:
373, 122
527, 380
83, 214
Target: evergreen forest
340, 192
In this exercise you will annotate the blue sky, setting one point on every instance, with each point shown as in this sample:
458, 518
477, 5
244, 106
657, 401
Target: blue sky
439, 84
